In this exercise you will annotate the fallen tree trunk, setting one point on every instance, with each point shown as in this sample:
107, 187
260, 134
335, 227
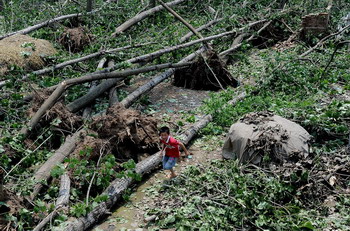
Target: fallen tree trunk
62, 200
155, 81
205, 26
113, 94
120, 75
176, 15
46, 23
44, 171
88, 110
142, 16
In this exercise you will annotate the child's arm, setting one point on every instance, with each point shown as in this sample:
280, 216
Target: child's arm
163, 147
184, 148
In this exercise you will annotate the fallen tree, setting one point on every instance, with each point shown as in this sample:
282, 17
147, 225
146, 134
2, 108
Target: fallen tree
46, 23
126, 25
61, 202
43, 173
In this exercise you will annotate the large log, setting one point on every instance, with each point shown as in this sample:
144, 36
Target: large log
142, 16
62, 200
46, 23
127, 101
44, 171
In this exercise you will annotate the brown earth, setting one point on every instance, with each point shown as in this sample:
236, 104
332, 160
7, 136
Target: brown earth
75, 39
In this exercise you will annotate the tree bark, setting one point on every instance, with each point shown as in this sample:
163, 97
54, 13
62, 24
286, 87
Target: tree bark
126, 25
88, 110
155, 81
45, 23
89, 5
43, 173
62, 200
113, 94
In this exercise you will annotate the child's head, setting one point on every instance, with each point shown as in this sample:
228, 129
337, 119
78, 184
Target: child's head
164, 132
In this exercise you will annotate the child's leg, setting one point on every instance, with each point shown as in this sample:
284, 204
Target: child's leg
169, 164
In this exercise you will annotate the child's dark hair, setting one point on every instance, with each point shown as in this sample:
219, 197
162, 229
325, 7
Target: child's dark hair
164, 129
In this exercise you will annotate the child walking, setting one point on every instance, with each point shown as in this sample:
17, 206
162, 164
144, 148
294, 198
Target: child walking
171, 150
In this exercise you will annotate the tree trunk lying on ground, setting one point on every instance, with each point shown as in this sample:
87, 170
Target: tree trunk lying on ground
88, 110
62, 200
46, 23
43, 173
142, 16
88, 78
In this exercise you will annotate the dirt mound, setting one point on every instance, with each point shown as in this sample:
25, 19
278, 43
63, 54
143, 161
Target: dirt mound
75, 39
262, 135
208, 73
124, 132
24, 51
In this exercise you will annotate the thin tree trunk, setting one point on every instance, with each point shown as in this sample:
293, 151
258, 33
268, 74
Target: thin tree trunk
176, 15
62, 200
155, 81
89, 5
113, 94
43, 173
46, 23
126, 25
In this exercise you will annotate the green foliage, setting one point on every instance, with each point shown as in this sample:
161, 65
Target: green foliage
224, 196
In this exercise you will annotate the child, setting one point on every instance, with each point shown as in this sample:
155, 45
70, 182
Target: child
171, 148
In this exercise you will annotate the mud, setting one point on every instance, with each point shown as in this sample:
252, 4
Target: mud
207, 73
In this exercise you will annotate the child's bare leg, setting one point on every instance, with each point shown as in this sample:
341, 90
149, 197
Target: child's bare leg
173, 174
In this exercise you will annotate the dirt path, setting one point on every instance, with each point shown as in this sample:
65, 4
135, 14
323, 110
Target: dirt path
169, 104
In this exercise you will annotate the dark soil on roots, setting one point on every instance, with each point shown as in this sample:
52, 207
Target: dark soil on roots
207, 73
